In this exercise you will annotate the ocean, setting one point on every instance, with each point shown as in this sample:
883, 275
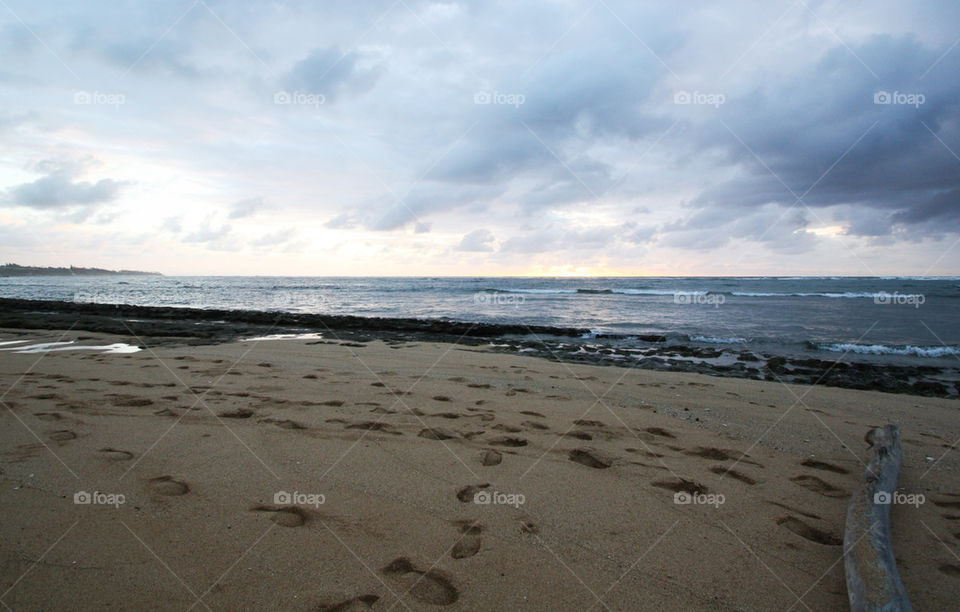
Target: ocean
896, 320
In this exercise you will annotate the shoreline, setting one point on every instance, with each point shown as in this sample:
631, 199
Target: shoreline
171, 325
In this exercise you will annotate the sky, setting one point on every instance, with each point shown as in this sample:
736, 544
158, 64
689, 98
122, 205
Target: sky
486, 137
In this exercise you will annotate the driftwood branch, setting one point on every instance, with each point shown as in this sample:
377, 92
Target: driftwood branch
873, 582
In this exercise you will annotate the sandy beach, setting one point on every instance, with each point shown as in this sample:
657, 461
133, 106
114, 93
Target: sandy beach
307, 474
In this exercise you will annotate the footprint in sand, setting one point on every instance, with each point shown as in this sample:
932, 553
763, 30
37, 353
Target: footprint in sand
240, 413
792, 509
48, 416
823, 465
532, 413
507, 428
62, 436
283, 423
719, 454
490, 457
507, 441
466, 494
437, 433
166, 485
115, 454
354, 604
469, 544
374, 426
166, 412
534, 425
659, 431
946, 503
432, 586
723, 471
589, 423
285, 516
681, 486
591, 458
466, 547
44, 396
469, 526
949, 570
130, 401
817, 485
809, 532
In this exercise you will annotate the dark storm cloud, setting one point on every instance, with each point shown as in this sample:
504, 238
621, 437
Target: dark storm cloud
817, 133
528, 125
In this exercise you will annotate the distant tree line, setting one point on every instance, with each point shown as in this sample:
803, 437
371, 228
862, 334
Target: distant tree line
12, 269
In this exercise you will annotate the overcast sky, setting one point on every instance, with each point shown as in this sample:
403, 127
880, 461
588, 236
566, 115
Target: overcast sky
482, 137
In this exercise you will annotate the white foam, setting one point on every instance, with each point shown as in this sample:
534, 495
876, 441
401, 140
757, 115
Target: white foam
712, 340
881, 349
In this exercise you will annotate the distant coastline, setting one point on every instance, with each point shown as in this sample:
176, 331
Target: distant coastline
18, 270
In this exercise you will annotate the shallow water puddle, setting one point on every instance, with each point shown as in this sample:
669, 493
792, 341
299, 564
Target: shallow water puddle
47, 347
310, 336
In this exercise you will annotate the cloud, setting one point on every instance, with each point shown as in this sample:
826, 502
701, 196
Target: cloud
207, 233
817, 133
479, 240
57, 190
331, 73
150, 56
575, 146
275, 238
343, 221
247, 207
390, 212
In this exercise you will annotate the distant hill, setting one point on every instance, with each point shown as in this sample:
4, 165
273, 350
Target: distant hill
15, 270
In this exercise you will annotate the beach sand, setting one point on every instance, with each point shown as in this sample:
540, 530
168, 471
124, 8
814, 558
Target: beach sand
581, 466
